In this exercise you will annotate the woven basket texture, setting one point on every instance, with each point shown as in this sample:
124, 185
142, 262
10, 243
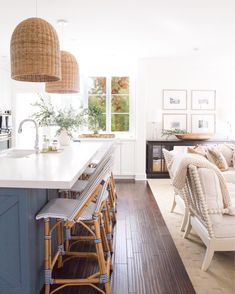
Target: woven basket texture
35, 52
70, 76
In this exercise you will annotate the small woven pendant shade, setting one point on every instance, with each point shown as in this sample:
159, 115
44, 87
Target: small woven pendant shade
35, 52
70, 76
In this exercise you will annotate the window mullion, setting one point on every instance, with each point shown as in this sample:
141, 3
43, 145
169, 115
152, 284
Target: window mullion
108, 105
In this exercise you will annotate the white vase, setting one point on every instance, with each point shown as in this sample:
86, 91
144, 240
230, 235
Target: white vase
64, 138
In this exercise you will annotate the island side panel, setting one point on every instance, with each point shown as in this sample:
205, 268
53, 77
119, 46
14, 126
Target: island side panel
37, 198
21, 246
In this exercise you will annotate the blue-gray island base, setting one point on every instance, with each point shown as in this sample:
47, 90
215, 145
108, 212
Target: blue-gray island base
21, 244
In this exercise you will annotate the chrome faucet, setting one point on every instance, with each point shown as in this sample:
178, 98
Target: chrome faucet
36, 146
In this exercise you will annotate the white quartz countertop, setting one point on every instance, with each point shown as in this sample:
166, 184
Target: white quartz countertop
47, 170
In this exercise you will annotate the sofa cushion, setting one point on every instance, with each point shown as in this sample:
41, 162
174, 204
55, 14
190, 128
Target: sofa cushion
227, 151
216, 157
229, 175
233, 161
211, 188
223, 225
231, 190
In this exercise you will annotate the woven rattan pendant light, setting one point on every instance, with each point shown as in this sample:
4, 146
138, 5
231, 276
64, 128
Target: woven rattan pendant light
69, 82
35, 52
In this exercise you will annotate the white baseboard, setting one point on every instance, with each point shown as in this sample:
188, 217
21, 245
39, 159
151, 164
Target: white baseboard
124, 177
140, 177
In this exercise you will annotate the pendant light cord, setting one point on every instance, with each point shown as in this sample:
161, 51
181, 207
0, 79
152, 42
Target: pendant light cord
62, 23
36, 3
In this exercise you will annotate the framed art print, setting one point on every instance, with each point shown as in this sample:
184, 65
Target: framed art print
203, 123
174, 99
203, 99
174, 121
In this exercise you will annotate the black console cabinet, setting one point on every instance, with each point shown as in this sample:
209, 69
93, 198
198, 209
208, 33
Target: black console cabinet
155, 163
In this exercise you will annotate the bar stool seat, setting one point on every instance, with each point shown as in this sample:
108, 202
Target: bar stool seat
61, 208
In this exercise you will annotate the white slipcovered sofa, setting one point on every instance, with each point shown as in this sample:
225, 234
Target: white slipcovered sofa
207, 215
229, 176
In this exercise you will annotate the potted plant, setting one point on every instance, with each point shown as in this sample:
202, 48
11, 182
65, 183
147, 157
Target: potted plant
94, 118
66, 119
173, 132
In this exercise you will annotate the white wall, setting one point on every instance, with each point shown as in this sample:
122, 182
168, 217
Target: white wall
5, 87
191, 73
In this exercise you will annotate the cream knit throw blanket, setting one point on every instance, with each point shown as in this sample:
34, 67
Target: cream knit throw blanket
179, 166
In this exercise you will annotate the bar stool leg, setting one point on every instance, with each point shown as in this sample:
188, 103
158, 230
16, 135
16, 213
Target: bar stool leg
60, 243
114, 186
103, 265
47, 254
104, 237
108, 226
112, 201
105, 242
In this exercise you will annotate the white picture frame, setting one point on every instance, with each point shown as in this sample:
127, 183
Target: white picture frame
203, 99
174, 121
203, 123
174, 99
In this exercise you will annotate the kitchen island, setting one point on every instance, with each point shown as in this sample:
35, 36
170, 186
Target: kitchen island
27, 182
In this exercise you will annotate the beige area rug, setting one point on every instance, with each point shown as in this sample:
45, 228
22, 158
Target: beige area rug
220, 277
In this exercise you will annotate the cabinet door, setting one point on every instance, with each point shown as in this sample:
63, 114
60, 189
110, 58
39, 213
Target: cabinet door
117, 160
128, 158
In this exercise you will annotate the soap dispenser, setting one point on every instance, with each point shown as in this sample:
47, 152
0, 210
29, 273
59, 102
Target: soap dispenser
45, 144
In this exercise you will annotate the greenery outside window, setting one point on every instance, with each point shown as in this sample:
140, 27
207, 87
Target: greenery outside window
112, 95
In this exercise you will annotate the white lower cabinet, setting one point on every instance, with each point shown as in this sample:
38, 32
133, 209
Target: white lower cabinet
117, 160
124, 162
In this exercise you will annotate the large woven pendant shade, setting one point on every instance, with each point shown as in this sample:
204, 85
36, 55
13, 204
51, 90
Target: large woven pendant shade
35, 52
69, 82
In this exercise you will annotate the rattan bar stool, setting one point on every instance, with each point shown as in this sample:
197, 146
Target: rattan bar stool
87, 221
109, 209
107, 214
68, 212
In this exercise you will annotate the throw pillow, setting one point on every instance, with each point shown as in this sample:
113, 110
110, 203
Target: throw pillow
198, 149
217, 158
227, 151
233, 160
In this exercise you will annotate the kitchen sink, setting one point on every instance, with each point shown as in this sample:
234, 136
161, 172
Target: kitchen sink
17, 153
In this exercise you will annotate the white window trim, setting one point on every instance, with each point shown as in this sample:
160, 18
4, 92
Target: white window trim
131, 131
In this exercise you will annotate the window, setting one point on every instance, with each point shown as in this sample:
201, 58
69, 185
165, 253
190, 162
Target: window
112, 95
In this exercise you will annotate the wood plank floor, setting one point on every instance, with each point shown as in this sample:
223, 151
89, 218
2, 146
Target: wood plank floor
146, 259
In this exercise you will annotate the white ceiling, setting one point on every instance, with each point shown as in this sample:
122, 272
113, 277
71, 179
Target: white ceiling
137, 28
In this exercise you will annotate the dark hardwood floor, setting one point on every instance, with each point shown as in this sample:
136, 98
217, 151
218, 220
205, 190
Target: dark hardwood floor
146, 260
